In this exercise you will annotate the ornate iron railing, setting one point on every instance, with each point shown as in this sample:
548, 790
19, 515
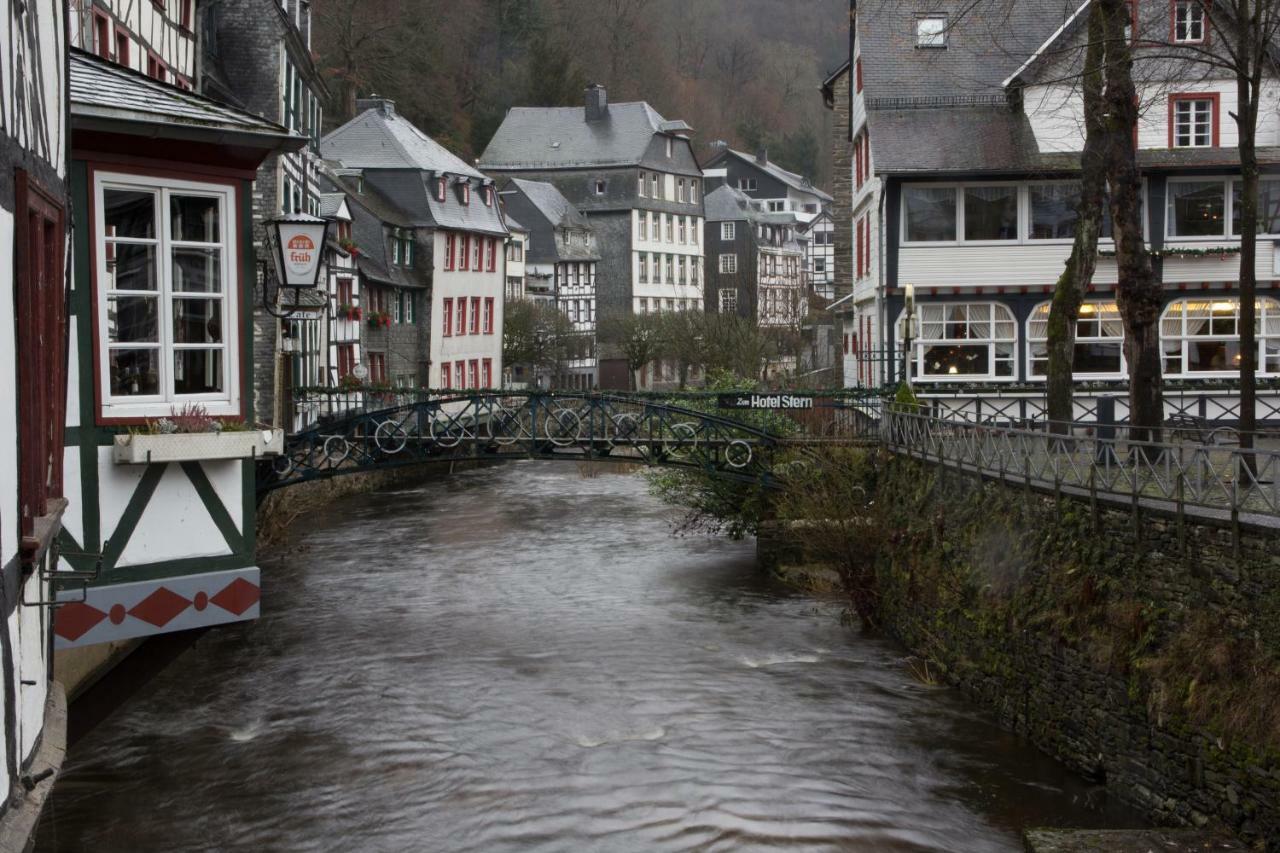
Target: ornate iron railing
1221, 481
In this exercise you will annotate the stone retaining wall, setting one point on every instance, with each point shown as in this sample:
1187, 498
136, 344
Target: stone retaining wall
1144, 663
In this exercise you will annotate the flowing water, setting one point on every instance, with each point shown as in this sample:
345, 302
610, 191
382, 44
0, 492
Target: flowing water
521, 658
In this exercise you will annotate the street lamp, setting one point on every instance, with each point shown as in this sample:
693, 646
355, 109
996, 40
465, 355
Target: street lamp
295, 244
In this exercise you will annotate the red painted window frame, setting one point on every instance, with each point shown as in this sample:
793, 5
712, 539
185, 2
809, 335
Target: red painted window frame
440, 189
488, 315
459, 374
102, 31
466, 193
346, 360
858, 249
473, 373
39, 237
344, 290
450, 246
465, 260
446, 375
1215, 124
474, 319
477, 256
486, 373
492, 264
1173, 22
460, 316
123, 41
185, 22
156, 68
857, 161
446, 315
857, 75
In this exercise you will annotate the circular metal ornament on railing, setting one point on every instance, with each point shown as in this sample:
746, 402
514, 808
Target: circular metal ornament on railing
624, 429
445, 432
682, 438
336, 450
506, 426
562, 427
390, 437
738, 454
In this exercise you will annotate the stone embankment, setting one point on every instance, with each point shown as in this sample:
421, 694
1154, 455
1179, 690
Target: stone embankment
1145, 657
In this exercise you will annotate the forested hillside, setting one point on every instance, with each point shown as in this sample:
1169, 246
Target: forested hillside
743, 71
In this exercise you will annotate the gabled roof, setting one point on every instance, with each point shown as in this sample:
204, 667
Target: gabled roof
1067, 26
560, 137
549, 214
550, 203
382, 139
331, 204
791, 179
107, 96
726, 203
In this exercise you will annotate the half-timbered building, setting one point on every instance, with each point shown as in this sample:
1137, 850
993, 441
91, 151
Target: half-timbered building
33, 335
161, 437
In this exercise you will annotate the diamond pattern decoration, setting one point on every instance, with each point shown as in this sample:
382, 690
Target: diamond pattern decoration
160, 607
237, 596
76, 619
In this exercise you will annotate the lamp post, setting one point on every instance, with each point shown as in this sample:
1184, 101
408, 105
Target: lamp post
909, 325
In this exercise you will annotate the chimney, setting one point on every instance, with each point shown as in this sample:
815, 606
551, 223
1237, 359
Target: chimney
384, 106
597, 102
762, 155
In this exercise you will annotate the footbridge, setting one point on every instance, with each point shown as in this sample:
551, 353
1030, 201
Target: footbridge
738, 436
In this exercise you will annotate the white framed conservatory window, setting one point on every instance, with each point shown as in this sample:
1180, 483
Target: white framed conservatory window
166, 295
1201, 337
1099, 350
959, 341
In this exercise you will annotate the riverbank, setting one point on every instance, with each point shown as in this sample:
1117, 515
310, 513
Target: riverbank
1150, 668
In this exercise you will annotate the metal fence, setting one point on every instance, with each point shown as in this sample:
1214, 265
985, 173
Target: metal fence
1215, 481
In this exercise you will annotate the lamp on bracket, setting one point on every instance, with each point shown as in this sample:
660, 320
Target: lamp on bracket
295, 244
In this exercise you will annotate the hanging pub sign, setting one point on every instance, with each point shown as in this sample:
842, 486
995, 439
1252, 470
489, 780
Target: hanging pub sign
789, 402
299, 240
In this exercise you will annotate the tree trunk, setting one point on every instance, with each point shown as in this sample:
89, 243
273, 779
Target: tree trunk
1248, 80
1139, 293
1076, 278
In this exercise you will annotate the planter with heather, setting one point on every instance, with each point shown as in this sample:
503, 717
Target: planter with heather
141, 449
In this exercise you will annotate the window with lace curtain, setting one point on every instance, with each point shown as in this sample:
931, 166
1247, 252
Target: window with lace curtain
1099, 342
1201, 337
991, 212
964, 340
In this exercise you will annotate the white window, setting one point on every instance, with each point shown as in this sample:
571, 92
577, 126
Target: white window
653, 186
693, 191
747, 184
1188, 21
728, 264
727, 231
1202, 337
643, 221
670, 146
931, 31
777, 206
682, 230
642, 186
1099, 342
964, 340
167, 295
728, 300
1193, 122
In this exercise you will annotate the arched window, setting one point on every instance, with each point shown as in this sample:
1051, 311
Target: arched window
964, 340
1202, 337
1099, 342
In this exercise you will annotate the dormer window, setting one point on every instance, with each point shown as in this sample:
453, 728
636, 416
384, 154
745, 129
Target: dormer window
440, 188
466, 192
600, 187
487, 194
670, 147
931, 31
1188, 22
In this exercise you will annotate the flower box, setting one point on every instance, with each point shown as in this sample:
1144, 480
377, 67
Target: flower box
195, 447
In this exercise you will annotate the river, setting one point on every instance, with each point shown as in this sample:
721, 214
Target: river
523, 658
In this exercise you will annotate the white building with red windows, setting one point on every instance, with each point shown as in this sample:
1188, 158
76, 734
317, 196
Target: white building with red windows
450, 209
982, 225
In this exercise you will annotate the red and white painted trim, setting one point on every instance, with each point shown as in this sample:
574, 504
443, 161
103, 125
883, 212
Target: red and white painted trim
130, 610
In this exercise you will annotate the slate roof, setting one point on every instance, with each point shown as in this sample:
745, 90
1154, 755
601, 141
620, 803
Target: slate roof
331, 203
560, 137
371, 214
791, 179
382, 139
113, 97
548, 213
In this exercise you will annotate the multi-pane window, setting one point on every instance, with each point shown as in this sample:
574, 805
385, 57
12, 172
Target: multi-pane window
1202, 336
747, 184
460, 324
669, 270
728, 300
642, 186
642, 221
446, 315
459, 377
644, 268
1193, 122
397, 307
475, 315
682, 231
165, 288
1099, 341
681, 193
653, 186
408, 307
693, 191
488, 315
728, 231
446, 375
1188, 21
667, 220
475, 253
728, 264
964, 339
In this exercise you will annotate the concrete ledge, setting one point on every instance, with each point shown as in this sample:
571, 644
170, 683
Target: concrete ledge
1129, 841
18, 826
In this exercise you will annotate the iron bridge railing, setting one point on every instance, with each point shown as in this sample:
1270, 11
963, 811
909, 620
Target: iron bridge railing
1210, 480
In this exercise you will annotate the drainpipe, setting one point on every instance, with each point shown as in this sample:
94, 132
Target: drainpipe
882, 308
